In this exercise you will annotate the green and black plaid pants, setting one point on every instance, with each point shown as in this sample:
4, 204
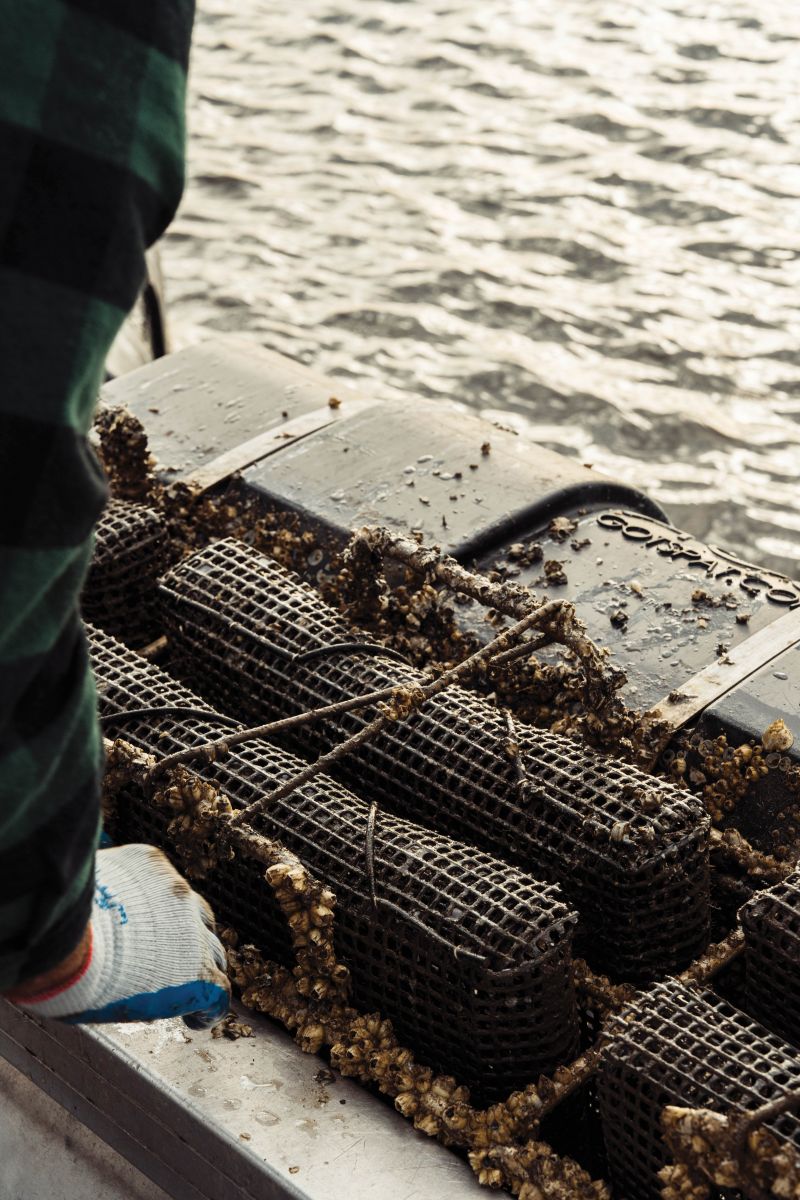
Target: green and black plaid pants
92, 98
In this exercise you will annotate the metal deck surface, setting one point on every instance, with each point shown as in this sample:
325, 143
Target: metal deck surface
208, 1119
68, 1161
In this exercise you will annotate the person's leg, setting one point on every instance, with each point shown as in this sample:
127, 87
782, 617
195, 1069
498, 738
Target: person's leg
91, 170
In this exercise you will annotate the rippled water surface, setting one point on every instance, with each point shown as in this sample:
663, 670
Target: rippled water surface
582, 217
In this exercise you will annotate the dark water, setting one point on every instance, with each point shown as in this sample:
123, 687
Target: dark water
581, 216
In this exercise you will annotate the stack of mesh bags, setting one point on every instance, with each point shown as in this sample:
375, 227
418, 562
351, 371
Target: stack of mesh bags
629, 851
469, 957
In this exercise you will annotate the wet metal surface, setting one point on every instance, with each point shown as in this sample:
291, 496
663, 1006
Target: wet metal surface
70, 1162
218, 1120
325, 1134
666, 605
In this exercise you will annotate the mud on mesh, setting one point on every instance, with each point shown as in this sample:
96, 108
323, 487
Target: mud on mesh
771, 923
470, 958
685, 1046
120, 590
630, 852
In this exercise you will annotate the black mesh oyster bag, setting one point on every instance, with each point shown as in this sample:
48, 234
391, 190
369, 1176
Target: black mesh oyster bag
630, 851
119, 594
771, 924
468, 956
684, 1046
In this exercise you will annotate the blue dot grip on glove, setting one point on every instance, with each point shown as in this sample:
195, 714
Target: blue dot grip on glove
153, 950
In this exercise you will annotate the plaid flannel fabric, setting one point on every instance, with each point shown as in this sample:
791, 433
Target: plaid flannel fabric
92, 98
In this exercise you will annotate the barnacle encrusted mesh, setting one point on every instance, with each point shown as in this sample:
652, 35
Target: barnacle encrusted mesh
686, 1046
470, 958
771, 923
630, 851
120, 588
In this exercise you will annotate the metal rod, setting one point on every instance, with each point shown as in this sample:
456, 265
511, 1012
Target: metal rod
407, 700
745, 1123
556, 617
211, 750
715, 958
529, 647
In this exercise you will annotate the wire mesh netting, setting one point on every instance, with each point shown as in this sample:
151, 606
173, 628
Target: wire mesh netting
469, 957
686, 1046
771, 923
120, 590
630, 851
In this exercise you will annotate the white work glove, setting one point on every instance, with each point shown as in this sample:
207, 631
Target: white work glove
153, 950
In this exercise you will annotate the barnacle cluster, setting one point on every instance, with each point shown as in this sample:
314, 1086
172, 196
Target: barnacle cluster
723, 775
405, 700
308, 907
125, 456
558, 697
196, 518
193, 517
554, 573
583, 688
125, 766
409, 613
533, 1172
202, 832
194, 830
201, 835
720, 773
232, 1029
600, 993
712, 1151
364, 1046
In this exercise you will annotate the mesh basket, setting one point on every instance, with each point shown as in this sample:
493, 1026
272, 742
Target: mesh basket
120, 590
771, 923
686, 1046
470, 958
631, 852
